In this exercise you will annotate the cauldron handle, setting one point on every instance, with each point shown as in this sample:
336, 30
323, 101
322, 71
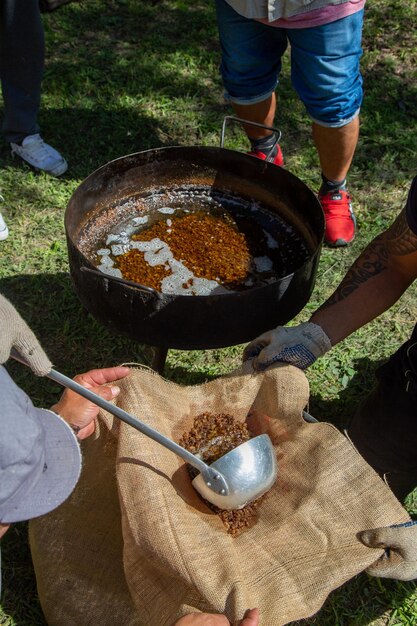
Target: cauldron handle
232, 118
122, 281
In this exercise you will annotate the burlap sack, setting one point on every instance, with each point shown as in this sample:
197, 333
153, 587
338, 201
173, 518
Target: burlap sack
77, 549
177, 555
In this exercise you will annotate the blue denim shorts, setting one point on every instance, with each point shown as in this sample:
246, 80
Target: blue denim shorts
325, 69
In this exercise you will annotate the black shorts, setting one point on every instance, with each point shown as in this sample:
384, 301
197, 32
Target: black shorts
384, 428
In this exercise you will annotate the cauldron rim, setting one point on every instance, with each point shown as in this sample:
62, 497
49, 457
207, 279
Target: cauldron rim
193, 322
187, 149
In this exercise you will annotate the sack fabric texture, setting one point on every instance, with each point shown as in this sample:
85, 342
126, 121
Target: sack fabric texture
135, 545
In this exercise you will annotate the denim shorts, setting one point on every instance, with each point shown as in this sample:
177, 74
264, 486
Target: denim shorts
325, 69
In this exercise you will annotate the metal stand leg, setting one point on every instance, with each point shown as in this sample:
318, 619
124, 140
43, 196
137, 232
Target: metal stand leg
158, 360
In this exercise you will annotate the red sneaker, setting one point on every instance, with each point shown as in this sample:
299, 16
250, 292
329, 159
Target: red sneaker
277, 160
339, 216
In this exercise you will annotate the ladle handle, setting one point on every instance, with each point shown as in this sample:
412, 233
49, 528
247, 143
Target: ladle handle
214, 479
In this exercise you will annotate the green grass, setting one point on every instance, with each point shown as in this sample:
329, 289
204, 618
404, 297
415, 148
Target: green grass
128, 75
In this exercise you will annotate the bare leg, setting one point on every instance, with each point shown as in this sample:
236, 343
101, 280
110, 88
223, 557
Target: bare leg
261, 113
336, 147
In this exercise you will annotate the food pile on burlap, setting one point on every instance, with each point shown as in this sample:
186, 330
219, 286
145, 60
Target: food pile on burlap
135, 545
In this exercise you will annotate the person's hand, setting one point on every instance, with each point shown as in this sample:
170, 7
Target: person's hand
3, 529
81, 413
400, 544
15, 333
251, 618
299, 345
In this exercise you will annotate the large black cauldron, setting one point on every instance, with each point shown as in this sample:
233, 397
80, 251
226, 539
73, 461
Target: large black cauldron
106, 197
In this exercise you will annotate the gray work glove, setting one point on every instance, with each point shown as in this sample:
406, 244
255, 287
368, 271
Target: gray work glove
15, 333
299, 345
400, 544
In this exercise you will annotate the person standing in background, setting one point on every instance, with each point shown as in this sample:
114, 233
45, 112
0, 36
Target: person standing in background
22, 56
325, 38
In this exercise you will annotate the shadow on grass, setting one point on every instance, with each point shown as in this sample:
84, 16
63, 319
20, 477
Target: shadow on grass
340, 410
152, 80
73, 340
362, 600
19, 598
91, 138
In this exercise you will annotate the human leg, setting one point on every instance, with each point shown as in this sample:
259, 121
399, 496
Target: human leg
264, 143
336, 147
22, 52
251, 62
260, 113
326, 74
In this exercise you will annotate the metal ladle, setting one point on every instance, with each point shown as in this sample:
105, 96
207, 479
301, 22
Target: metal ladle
235, 479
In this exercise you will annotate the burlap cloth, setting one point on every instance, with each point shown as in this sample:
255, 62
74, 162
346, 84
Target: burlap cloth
134, 544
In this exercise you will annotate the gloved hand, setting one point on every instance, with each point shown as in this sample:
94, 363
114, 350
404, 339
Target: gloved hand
400, 558
15, 333
299, 345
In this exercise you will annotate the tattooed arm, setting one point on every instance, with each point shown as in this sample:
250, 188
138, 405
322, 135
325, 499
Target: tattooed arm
376, 280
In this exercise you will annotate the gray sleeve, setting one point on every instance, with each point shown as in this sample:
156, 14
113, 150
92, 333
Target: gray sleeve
13, 400
15, 406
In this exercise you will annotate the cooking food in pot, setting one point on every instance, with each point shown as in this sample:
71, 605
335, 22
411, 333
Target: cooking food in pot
200, 245
211, 437
192, 253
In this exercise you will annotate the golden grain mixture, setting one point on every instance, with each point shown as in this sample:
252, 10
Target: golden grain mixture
207, 245
213, 436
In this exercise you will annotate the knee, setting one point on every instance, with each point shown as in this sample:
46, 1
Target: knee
333, 107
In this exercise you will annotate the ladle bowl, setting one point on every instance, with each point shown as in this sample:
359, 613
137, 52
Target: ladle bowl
250, 469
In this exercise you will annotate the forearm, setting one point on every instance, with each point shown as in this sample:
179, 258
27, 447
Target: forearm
351, 306
375, 281
373, 284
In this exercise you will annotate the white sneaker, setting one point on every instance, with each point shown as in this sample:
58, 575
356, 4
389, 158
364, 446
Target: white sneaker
4, 231
40, 155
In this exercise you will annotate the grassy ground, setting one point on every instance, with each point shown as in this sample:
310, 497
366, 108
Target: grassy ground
128, 75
